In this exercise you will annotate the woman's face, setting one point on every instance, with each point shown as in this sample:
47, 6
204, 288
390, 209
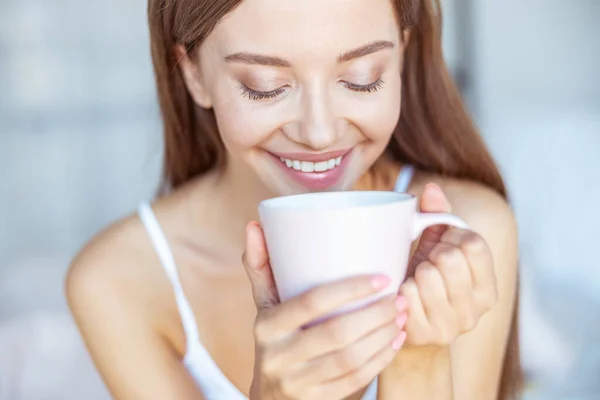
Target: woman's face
306, 92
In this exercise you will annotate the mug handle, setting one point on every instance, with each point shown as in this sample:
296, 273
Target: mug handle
425, 220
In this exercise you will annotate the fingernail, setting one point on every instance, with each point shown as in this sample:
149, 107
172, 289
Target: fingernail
401, 320
401, 303
397, 344
381, 282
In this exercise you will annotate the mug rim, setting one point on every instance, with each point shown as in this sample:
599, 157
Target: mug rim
291, 203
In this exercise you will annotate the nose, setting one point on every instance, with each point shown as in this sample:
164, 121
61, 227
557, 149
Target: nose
318, 125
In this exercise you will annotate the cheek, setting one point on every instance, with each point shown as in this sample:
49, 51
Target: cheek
242, 126
378, 119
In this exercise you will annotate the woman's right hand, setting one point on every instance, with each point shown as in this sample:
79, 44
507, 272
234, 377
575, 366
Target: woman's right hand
329, 360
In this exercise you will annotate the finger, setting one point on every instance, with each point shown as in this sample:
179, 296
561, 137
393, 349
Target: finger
358, 379
452, 265
417, 322
434, 297
340, 331
319, 302
256, 264
477, 254
433, 200
337, 364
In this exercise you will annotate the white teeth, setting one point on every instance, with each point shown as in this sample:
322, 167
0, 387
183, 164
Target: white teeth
308, 166
322, 166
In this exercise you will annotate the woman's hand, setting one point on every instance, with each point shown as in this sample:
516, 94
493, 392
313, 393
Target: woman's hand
329, 360
451, 281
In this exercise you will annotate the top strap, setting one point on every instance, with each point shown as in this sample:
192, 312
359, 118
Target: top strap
404, 178
167, 260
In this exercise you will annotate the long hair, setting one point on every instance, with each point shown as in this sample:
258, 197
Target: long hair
435, 132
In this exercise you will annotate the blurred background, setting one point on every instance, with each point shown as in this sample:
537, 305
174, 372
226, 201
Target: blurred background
80, 146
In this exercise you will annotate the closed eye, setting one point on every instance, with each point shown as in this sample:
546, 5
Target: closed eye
258, 95
370, 88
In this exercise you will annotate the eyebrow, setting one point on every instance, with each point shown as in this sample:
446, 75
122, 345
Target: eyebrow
270, 61
365, 50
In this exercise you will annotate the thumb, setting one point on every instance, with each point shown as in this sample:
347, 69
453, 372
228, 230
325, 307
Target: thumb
256, 264
432, 200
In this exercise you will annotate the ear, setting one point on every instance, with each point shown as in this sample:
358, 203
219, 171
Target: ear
190, 71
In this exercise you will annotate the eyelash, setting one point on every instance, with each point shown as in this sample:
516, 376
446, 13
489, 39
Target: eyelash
255, 95
370, 88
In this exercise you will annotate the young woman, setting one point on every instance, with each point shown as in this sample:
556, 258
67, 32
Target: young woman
262, 98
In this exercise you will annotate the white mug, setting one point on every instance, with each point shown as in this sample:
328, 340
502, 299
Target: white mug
318, 238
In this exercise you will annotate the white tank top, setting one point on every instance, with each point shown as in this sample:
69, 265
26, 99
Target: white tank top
209, 377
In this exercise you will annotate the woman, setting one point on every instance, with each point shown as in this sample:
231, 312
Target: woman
262, 98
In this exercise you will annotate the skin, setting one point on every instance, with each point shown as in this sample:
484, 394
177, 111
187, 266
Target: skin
455, 329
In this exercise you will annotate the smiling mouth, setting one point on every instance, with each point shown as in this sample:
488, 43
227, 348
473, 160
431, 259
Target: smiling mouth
311, 166
315, 171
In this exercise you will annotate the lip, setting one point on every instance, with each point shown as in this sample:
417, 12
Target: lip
314, 157
315, 180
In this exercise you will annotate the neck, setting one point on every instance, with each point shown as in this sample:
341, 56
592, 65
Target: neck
222, 205
241, 194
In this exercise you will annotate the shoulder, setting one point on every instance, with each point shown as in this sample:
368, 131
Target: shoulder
486, 211
478, 204
116, 271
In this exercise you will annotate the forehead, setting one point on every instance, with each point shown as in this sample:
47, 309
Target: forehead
305, 27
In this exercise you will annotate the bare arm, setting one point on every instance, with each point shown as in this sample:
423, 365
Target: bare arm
134, 360
477, 356
470, 368
419, 373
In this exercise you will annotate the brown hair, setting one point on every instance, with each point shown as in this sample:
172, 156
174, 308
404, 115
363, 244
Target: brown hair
434, 133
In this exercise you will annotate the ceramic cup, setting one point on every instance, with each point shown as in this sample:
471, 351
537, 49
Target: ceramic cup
318, 238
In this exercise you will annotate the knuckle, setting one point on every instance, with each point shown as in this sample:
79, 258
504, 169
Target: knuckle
384, 310
424, 273
473, 243
346, 360
261, 331
354, 380
311, 302
409, 288
337, 331
392, 332
495, 296
488, 299
492, 299
358, 286
469, 322
449, 256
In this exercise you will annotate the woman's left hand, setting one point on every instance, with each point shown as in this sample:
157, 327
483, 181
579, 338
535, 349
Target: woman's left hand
451, 281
